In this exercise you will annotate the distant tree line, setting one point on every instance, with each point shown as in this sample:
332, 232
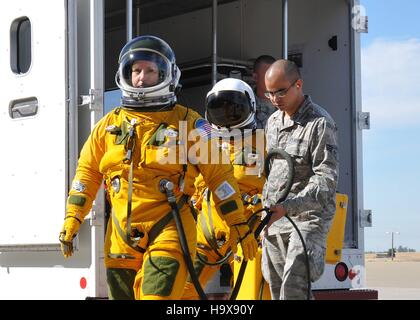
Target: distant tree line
405, 249
399, 249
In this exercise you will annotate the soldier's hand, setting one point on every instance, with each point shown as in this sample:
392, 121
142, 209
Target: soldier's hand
240, 233
68, 232
278, 212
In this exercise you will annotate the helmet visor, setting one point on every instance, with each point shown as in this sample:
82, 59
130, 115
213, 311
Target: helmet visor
144, 69
227, 108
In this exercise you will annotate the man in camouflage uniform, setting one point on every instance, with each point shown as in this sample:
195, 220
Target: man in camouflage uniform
309, 134
264, 106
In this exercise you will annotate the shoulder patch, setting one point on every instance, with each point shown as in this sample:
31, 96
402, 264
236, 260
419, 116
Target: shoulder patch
205, 129
224, 191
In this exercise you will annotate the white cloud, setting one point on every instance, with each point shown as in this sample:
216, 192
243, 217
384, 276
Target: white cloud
391, 82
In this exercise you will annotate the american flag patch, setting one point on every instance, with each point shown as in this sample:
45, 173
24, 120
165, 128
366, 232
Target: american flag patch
205, 129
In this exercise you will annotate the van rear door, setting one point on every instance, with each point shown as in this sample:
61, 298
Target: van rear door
33, 123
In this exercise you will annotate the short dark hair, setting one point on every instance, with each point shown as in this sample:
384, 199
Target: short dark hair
262, 59
291, 70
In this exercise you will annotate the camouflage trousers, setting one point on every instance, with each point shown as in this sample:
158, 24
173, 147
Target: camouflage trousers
284, 263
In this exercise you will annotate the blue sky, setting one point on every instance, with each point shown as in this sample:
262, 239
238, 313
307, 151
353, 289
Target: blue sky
391, 93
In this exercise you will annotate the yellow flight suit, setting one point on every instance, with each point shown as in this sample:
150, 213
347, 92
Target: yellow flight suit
250, 178
158, 265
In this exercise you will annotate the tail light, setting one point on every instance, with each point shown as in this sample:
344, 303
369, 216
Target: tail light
341, 271
83, 282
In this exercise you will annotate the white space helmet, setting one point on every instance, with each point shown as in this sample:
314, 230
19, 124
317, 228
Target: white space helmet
153, 55
231, 104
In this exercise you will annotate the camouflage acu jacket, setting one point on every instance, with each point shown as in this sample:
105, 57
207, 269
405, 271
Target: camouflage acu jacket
264, 110
310, 137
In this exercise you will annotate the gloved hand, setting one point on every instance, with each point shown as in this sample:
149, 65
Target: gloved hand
219, 234
67, 234
240, 233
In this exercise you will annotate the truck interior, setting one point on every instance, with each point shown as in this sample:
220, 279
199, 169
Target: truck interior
314, 34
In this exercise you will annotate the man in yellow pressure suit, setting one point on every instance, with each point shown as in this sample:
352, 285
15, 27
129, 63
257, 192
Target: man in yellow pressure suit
137, 148
230, 108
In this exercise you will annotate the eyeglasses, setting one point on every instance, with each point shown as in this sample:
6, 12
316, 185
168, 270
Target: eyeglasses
279, 93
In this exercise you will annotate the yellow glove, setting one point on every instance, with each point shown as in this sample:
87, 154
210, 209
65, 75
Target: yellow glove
67, 234
240, 233
219, 234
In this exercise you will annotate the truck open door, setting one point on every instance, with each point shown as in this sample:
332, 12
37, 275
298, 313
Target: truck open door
51, 75
33, 124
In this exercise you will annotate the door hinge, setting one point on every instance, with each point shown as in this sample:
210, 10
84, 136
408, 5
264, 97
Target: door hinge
96, 218
362, 25
360, 21
364, 120
94, 100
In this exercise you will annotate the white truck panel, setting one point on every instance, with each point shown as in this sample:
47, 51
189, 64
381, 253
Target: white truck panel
44, 283
33, 187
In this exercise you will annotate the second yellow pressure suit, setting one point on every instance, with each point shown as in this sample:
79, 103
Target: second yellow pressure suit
212, 231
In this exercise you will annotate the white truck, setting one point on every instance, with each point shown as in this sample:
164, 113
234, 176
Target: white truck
58, 59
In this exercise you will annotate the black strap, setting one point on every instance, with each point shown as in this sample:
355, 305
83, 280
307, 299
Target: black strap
126, 237
158, 226
129, 204
129, 157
